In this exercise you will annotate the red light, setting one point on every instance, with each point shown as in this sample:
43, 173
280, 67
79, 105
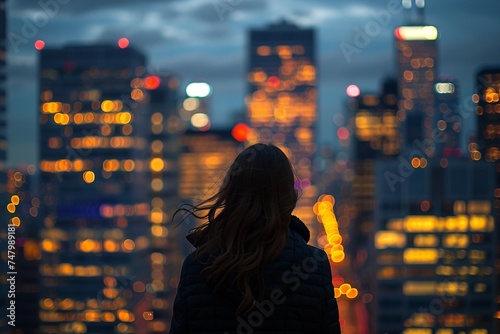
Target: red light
337, 280
152, 82
447, 151
123, 43
458, 152
343, 133
206, 127
39, 45
352, 91
240, 132
273, 81
397, 34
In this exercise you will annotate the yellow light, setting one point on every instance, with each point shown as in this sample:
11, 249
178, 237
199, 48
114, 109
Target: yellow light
137, 94
200, 120
129, 245
11, 207
420, 255
147, 315
157, 164
344, 288
89, 176
412, 33
107, 105
191, 103
123, 118
128, 165
352, 293
15, 221
15, 199
384, 239
263, 50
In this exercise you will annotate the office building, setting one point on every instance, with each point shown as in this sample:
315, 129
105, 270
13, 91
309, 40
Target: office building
416, 58
487, 145
205, 157
447, 123
282, 101
107, 160
435, 246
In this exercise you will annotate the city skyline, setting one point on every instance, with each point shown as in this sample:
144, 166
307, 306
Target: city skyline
178, 34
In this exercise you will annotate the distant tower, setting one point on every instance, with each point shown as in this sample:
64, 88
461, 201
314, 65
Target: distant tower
447, 123
488, 113
487, 98
416, 57
282, 101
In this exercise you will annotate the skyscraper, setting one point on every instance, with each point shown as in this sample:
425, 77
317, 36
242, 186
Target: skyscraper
281, 103
435, 247
488, 142
376, 133
205, 158
488, 111
416, 73
106, 167
447, 122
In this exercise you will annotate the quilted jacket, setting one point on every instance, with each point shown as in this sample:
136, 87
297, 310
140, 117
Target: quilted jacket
298, 295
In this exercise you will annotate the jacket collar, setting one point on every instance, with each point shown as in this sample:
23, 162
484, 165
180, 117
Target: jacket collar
296, 225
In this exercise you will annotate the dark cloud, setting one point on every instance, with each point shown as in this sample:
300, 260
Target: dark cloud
220, 10
79, 6
198, 42
144, 38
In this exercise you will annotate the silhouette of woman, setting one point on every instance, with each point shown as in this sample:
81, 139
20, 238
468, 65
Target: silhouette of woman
252, 270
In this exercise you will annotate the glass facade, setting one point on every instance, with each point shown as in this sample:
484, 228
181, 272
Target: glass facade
107, 182
435, 248
416, 58
282, 101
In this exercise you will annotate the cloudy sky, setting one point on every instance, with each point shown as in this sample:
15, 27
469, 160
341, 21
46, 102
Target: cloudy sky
207, 40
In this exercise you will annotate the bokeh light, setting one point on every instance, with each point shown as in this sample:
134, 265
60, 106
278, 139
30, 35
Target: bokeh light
123, 43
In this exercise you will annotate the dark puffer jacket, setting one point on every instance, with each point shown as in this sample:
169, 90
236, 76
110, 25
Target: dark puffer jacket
298, 296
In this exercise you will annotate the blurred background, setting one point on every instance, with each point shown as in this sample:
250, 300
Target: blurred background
113, 113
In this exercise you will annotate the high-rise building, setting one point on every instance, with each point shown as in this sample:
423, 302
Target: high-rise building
447, 123
488, 142
435, 247
375, 133
206, 155
105, 181
3, 84
488, 111
416, 74
282, 99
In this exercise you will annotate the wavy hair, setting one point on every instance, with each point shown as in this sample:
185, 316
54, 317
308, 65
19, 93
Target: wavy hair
246, 221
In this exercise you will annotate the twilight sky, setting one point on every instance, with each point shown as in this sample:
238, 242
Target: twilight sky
207, 40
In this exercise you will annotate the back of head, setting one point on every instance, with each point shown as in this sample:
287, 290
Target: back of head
247, 220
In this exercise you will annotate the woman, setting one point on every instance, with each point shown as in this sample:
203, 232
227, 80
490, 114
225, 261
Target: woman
252, 271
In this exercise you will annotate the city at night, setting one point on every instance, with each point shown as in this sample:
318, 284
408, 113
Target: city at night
250, 166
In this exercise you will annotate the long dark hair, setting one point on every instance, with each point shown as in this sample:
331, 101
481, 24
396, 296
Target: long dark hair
246, 221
